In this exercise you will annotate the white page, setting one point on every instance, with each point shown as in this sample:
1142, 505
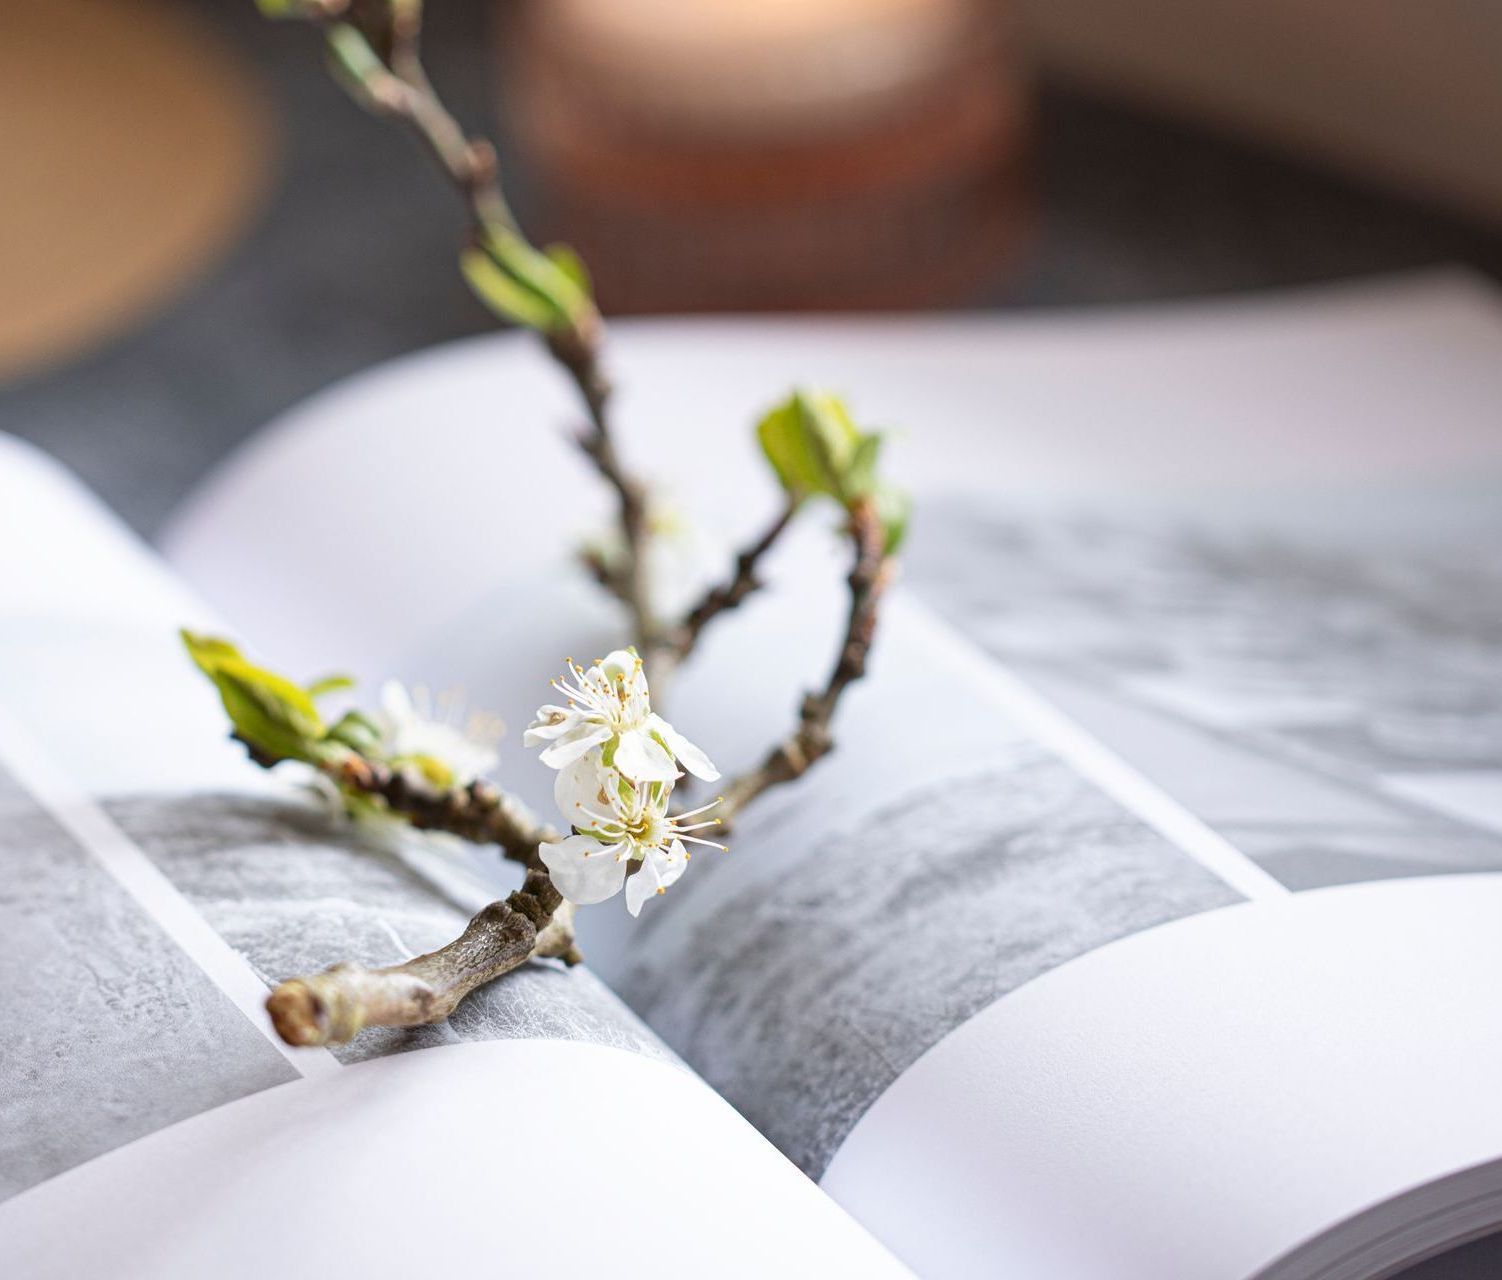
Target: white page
1198, 1100
409, 491
1063, 911
158, 882
1205, 398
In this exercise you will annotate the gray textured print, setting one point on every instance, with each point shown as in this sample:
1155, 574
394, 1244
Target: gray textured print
109, 1031
1326, 693
801, 1000
294, 893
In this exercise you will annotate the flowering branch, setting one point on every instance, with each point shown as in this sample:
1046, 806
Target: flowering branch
618, 761
811, 738
398, 762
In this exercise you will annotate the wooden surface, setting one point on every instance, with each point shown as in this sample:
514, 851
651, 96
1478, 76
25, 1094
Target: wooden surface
1406, 94
134, 149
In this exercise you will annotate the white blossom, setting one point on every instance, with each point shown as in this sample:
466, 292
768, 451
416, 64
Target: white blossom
439, 738
618, 823
610, 707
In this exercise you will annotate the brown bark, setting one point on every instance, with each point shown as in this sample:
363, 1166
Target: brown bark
332, 1007
478, 812
729, 595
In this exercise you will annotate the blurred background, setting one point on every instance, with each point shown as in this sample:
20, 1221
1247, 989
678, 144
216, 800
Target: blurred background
199, 229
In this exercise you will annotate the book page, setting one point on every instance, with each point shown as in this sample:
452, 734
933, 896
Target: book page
980, 946
1315, 683
423, 455
973, 863
944, 855
1318, 679
159, 884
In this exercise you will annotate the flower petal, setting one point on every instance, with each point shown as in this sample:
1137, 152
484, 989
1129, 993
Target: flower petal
640, 887
660, 868
672, 862
550, 722
574, 745
688, 755
641, 758
619, 664
583, 789
396, 702
584, 870
472, 761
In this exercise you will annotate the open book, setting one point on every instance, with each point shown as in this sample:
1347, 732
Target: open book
1146, 921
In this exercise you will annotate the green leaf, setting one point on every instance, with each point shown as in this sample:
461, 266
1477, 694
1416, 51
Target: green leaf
815, 448
357, 731
208, 651
789, 440
544, 291
503, 294
860, 474
542, 273
894, 508
267, 710
353, 58
325, 685
568, 261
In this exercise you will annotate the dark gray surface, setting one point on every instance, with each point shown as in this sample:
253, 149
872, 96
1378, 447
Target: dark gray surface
351, 261
1479, 1260
856, 975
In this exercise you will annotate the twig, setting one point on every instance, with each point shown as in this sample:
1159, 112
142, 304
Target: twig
630, 581
598, 566
479, 811
332, 1007
810, 739
728, 595
405, 54
402, 91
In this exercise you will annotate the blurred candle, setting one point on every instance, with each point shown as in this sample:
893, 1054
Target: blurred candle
749, 154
